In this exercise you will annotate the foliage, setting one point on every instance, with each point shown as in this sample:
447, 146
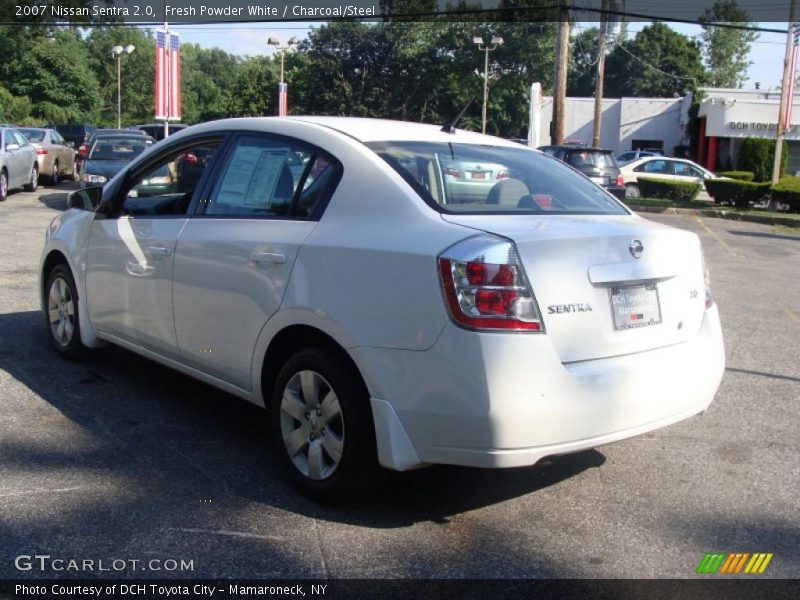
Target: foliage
256, 88
55, 75
658, 62
758, 155
737, 193
678, 191
582, 76
422, 71
787, 191
726, 51
739, 175
137, 71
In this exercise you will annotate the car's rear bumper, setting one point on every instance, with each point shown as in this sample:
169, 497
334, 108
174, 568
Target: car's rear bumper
505, 400
617, 191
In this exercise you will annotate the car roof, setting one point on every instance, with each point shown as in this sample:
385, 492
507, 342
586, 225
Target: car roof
366, 130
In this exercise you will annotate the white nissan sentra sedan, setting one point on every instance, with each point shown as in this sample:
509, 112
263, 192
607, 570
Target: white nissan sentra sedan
325, 269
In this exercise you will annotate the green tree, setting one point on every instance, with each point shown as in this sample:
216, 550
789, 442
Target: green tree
55, 75
209, 83
658, 62
137, 73
583, 63
726, 51
256, 88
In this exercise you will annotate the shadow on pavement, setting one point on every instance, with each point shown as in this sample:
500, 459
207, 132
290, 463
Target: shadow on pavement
761, 234
177, 437
56, 197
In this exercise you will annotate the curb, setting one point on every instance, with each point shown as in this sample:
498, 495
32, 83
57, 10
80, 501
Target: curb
719, 214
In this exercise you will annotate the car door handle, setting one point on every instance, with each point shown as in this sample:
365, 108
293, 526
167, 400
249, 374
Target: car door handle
268, 257
160, 251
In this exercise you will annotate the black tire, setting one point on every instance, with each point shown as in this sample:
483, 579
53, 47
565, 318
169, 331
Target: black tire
33, 182
357, 471
74, 347
632, 191
55, 178
3, 186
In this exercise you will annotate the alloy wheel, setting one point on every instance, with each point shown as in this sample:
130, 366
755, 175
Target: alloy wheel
312, 425
61, 311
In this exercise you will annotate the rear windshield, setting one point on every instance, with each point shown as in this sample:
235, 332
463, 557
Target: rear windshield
466, 178
118, 148
591, 159
34, 135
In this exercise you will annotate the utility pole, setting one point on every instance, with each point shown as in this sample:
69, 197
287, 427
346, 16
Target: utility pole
560, 79
601, 67
785, 97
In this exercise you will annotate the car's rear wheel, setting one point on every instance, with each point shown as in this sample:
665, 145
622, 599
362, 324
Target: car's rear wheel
54, 178
63, 318
632, 191
322, 426
33, 181
3, 185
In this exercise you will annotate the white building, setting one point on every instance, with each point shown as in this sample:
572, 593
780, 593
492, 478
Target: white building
725, 117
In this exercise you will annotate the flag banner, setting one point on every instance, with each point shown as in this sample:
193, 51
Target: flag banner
161, 74
174, 77
283, 101
168, 75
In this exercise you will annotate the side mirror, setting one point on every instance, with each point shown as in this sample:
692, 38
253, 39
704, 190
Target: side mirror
85, 199
12, 146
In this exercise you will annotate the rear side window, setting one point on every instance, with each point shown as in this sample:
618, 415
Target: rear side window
467, 178
653, 166
268, 177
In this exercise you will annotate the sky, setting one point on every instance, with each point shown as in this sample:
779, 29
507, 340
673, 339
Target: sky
250, 39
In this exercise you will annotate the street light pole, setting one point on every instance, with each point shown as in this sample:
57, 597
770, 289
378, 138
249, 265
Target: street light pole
282, 89
496, 41
116, 53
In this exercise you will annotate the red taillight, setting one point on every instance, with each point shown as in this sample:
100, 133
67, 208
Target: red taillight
83, 150
41, 151
503, 175
452, 172
620, 181
485, 286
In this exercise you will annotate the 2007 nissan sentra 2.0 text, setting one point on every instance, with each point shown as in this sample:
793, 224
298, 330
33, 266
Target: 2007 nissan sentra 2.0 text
389, 312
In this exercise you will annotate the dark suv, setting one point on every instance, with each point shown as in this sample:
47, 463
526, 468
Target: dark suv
597, 164
77, 134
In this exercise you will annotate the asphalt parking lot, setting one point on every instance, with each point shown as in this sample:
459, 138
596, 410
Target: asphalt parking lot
119, 458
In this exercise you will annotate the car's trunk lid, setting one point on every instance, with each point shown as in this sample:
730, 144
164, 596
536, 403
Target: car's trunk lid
580, 267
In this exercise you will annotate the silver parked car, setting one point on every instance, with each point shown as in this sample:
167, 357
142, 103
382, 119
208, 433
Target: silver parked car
55, 155
18, 166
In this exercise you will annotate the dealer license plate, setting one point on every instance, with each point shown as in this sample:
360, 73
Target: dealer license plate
478, 174
635, 306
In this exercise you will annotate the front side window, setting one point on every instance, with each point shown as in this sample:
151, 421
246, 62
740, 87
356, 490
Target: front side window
266, 177
167, 187
20, 139
467, 178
